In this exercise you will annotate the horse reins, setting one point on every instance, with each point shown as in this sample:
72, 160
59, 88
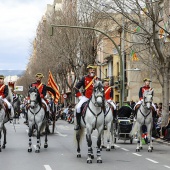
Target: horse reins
145, 116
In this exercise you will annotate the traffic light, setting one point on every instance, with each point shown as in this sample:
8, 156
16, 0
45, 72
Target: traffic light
117, 85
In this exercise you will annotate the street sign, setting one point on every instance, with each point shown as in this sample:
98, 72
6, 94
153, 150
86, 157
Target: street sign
64, 96
18, 88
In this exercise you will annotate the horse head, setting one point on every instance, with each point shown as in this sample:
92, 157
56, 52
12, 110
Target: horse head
98, 93
148, 98
34, 97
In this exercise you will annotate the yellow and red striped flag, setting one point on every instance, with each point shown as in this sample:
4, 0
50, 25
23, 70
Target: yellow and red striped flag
52, 84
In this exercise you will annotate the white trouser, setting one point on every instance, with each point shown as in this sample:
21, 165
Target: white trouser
82, 100
140, 102
7, 102
111, 102
9, 106
43, 101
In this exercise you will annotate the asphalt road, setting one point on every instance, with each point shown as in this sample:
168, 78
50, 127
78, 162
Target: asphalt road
61, 152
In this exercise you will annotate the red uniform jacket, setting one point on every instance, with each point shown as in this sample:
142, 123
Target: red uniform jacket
3, 90
83, 83
141, 91
41, 88
108, 92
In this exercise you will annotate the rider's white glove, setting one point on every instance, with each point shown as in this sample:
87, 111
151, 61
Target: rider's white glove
80, 97
141, 100
0, 97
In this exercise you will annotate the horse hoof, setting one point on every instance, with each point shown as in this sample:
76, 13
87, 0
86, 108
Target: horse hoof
89, 161
45, 145
137, 150
92, 156
152, 147
3, 147
103, 146
99, 161
100, 149
141, 147
78, 155
107, 149
37, 151
30, 150
112, 147
149, 150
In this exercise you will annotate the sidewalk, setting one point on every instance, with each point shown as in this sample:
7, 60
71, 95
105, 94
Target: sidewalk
159, 140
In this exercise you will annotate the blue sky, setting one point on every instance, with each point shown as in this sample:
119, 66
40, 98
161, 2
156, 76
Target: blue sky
18, 23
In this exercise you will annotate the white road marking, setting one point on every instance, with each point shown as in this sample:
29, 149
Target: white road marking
167, 166
47, 167
60, 134
94, 136
117, 146
124, 149
137, 154
152, 160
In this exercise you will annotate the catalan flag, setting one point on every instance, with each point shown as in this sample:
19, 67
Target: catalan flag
52, 84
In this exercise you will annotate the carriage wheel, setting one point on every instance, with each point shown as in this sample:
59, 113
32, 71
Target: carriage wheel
54, 120
131, 140
115, 140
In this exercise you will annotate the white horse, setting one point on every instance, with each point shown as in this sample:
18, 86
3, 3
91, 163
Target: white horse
110, 125
93, 118
144, 117
3, 119
36, 118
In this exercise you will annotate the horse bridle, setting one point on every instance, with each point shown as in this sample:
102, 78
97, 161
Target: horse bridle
96, 96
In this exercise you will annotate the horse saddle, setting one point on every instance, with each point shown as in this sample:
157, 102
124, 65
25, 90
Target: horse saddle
84, 108
152, 108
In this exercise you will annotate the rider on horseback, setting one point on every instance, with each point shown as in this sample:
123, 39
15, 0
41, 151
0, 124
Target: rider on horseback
3, 94
42, 90
141, 91
108, 93
87, 83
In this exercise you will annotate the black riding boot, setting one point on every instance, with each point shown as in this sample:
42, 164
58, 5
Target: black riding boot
77, 122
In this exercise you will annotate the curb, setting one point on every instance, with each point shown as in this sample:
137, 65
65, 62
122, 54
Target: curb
162, 142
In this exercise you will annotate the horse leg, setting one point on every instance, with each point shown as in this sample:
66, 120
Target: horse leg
46, 132
108, 136
102, 140
30, 135
99, 159
0, 140
138, 138
141, 132
89, 143
149, 129
37, 149
4, 131
78, 143
112, 136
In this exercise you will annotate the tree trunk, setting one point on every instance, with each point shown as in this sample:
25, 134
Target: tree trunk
165, 92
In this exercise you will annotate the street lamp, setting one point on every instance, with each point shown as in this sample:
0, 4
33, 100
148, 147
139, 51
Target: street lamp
114, 43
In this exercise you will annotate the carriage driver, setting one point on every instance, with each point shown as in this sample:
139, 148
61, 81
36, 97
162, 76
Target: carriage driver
3, 94
42, 90
108, 90
141, 91
87, 83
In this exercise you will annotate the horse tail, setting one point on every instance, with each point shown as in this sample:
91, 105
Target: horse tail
134, 129
79, 134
